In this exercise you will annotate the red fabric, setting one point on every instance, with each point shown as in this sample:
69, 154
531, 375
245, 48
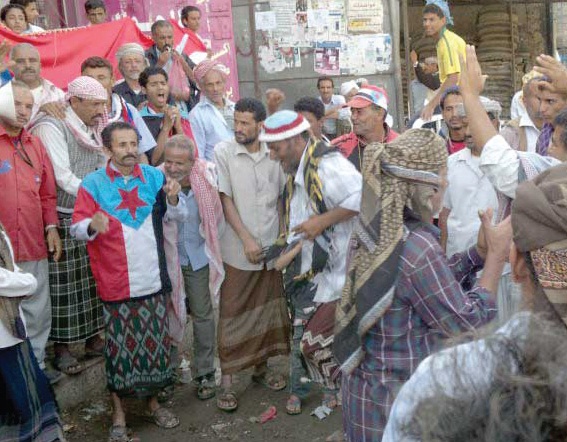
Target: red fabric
110, 286
63, 50
347, 142
455, 146
136, 173
188, 132
194, 43
29, 196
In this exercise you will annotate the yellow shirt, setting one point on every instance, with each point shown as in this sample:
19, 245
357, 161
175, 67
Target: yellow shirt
449, 46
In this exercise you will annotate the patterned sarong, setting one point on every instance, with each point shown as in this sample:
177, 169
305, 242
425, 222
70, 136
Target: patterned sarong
137, 346
75, 308
317, 343
28, 411
253, 319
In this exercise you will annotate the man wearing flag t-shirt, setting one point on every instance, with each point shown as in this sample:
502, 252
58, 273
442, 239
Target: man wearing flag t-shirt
119, 211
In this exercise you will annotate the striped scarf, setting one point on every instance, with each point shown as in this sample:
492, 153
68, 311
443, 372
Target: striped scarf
314, 152
388, 171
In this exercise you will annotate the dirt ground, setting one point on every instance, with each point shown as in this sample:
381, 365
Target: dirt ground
202, 420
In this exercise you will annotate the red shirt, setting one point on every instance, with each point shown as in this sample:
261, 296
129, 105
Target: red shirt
29, 195
347, 142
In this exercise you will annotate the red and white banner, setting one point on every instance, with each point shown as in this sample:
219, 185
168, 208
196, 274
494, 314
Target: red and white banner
63, 50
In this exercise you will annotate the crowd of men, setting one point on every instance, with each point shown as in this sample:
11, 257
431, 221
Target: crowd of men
320, 233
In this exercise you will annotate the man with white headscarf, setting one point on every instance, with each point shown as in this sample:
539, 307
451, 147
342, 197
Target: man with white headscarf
349, 89
74, 146
131, 63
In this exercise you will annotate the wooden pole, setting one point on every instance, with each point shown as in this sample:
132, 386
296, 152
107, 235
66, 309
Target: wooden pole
407, 50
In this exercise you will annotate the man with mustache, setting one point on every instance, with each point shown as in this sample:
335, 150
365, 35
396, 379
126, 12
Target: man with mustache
75, 148
131, 63
48, 98
119, 212
450, 103
27, 211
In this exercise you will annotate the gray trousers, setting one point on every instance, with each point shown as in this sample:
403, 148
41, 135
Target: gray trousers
201, 310
37, 308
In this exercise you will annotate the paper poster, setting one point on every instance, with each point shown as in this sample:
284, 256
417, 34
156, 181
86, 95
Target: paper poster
365, 54
271, 59
383, 53
317, 18
365, 16
327, 57
275, 59
265, 20
291, 24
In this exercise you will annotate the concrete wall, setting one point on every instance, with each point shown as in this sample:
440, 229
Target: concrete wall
297, 82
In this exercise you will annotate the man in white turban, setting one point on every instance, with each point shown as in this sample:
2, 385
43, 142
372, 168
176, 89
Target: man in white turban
131, 63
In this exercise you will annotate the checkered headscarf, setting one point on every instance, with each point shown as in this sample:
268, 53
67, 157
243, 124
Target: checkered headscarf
207, 66
388, 172
86, 88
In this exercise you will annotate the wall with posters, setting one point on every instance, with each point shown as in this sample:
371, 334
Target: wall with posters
216, 24
288, 44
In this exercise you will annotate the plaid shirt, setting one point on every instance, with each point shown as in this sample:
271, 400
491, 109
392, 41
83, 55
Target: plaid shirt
429, 305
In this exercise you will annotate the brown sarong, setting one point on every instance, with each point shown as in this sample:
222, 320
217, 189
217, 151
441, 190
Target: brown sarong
253, 319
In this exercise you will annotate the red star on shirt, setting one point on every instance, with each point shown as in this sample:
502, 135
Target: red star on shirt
130, 201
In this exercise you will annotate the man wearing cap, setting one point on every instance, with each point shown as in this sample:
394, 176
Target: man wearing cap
48, 98
321, 201
74, 146
212, 119
369, 109
131, 63
253, 321
436, 17
27, 208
